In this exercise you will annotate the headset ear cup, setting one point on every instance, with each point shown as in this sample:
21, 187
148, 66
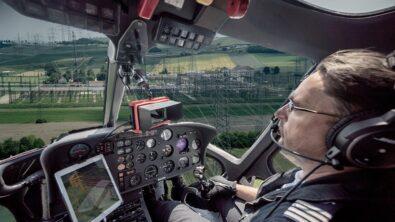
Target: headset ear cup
343, 123
331, 136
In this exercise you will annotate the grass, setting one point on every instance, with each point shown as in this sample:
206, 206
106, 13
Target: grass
268, 59
84, 108
30, 115
247, 60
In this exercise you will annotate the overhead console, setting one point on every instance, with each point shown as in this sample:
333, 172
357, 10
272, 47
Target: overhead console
175, 33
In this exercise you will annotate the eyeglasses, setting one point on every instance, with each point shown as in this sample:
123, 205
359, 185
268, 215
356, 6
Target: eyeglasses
291, 106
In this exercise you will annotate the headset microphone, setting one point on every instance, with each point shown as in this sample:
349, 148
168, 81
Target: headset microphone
274, 130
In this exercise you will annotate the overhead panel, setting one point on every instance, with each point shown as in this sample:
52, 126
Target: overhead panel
171, 32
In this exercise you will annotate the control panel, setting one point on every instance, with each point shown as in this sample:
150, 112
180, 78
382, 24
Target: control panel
186, 36
138, 160
135, 160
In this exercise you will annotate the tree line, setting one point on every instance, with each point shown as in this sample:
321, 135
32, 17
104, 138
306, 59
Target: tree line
10, 147
78, 75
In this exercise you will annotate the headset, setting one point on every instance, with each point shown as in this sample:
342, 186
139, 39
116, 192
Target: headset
365, 140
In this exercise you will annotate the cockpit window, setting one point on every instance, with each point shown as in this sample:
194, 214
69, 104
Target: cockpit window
51, 81
233, 85
352, 6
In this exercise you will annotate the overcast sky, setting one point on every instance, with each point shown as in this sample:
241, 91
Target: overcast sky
12, 23
353, 6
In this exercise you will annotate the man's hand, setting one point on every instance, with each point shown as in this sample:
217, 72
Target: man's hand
221, 186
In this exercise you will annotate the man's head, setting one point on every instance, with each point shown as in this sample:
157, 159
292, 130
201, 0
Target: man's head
345, 82
359, 80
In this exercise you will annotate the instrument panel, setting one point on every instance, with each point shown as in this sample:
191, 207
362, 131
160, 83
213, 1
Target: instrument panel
137, 160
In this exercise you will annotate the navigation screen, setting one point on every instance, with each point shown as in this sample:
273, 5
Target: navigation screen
88, 190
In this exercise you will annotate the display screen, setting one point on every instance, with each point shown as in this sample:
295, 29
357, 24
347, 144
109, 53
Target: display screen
88, 190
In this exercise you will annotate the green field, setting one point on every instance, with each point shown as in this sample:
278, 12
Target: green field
193, 63
27, 57
95, 114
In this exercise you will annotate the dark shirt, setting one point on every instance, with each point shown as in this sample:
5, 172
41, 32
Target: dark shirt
363, 195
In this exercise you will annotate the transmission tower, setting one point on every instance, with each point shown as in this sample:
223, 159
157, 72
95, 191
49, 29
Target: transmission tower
221, 100
75, 58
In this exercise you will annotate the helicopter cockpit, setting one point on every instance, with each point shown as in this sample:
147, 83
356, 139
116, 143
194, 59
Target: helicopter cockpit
138, 157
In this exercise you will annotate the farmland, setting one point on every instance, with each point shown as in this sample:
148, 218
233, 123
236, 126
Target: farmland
225, 86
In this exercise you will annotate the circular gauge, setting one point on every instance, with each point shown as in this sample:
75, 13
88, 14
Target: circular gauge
167, 151
166, 134
129, 157
182, 144
129, 165
152, 155
128, 149
150, 143
140, 145
183, 162
195, 159
120, 151
196, 144
128, 142
79, 150
151, 171
168, 166
120, 159
141, 158
135, 180
121, 167
120, 143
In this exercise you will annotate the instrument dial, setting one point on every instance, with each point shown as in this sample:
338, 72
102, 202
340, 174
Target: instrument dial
182, 144
135, 180
128, 149
129, 157
195, 159
141, 158
166, 134
121, 167
150, 143
128, 142
152, 155
120, 143
167, 151
120, 151
129, 165
151, 171
183, 162
120, 159
79, 150
168, 166
140, 145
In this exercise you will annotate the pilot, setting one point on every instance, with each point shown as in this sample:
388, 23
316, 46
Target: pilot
346, 83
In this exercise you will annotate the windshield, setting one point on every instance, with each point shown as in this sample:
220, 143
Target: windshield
233, 85
51, 81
